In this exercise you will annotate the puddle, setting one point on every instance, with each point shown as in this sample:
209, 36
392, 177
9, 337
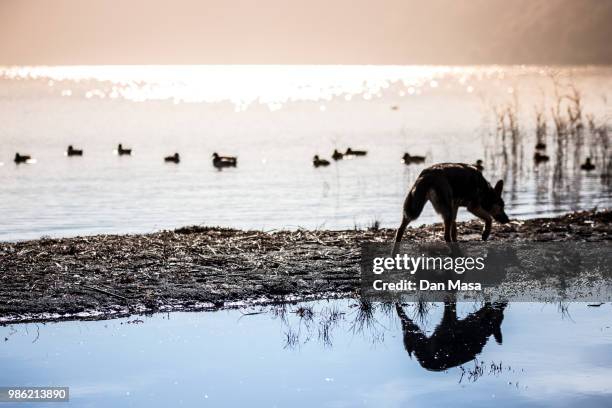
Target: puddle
323, 354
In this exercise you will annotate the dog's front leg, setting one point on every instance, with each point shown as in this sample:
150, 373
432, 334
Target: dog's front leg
448, 226
454, 224
483, 215
487, 229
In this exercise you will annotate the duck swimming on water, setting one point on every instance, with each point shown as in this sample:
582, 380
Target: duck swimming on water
74, 152
175, 158
224, 161
351, 152
19, 158
587, 165
122, 151
316, 161
408, 159
540, 158
337, 155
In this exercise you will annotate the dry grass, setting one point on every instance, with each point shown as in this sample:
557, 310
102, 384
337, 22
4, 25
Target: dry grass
198, 268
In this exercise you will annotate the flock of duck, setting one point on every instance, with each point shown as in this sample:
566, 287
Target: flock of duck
217, 161
540, 157
336, 155
232, 161
407, 158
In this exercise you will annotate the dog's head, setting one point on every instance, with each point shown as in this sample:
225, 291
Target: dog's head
494, 204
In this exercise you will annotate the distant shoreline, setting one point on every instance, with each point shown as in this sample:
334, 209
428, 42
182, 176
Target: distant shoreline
208, 268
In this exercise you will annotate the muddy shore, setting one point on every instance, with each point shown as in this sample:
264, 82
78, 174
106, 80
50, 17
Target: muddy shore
196, 268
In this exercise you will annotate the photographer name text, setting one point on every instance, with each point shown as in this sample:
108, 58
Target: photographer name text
408, 286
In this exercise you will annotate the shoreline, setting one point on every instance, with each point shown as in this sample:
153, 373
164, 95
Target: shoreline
209, 268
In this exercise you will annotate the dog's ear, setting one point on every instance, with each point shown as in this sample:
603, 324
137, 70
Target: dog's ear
499, 186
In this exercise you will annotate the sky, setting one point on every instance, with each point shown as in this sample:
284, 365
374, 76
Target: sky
102, 32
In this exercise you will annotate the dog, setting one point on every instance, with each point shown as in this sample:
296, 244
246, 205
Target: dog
449, 186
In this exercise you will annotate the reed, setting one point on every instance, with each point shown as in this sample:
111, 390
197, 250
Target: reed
574, 135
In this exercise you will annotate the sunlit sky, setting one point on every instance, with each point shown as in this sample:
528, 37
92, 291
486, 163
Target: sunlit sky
387, 32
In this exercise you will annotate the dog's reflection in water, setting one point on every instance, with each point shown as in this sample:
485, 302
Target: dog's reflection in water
454, 341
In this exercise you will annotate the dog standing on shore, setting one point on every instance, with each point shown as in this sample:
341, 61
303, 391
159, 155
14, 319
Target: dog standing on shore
449, 186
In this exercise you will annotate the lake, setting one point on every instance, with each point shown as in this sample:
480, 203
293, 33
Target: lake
274, 119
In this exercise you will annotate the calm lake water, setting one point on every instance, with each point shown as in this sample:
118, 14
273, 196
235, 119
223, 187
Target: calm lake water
547, 358
274, 119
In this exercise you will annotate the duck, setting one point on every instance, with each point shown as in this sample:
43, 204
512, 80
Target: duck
540, 158
337, 155
351, 152
224, 161
74, 152
316, 161
540, 146
479, 165
408, 159
175, 158
587, 165
19, 158
121, 151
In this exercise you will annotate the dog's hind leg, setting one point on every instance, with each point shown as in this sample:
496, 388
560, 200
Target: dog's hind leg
413, 205
402, 228
399, 234
441, 200
448, 226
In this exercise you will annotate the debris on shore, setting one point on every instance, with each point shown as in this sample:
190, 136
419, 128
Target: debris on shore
199, 268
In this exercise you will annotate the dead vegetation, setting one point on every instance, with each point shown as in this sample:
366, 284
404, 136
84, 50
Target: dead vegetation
575, 134
197, 268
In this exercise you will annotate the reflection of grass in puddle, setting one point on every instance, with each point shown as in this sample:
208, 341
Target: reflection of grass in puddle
292, 336
563, 308
481, 368
365, 323
292, 339
330, 317
421, 311
305, 313
308, 321
280, 312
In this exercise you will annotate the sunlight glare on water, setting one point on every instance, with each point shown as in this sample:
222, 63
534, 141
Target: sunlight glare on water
246, 84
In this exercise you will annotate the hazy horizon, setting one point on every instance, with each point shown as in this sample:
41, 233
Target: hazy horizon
389, 32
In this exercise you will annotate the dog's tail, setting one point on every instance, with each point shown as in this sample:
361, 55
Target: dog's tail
413, 205
416, 199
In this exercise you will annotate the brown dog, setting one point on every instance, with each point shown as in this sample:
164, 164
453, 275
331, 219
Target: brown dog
449, 186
